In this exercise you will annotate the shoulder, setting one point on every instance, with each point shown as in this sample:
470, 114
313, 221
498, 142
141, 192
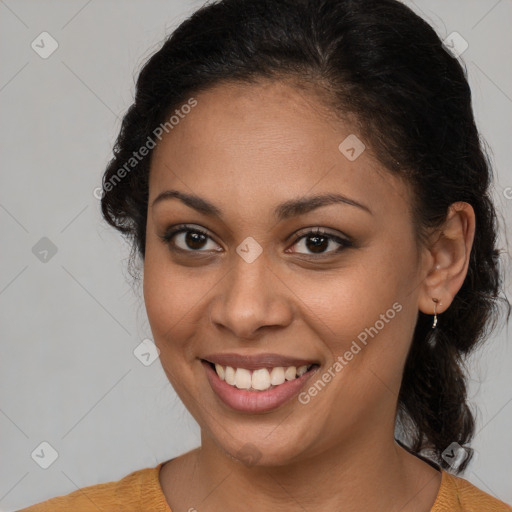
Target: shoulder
135, 492
457, 494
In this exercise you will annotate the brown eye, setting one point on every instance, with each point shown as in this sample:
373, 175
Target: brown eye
187, 239
318, 241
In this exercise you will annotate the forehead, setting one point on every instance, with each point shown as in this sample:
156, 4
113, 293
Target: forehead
269, 139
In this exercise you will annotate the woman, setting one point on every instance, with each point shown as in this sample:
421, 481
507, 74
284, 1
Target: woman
304, 183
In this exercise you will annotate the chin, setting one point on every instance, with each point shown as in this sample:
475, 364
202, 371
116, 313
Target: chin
269, 446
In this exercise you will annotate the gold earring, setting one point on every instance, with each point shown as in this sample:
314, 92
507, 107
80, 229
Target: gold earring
434, 323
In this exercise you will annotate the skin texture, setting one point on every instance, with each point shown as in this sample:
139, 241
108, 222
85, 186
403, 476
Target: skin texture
246, 149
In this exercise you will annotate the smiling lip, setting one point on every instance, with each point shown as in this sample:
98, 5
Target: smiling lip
254, 402
254, 362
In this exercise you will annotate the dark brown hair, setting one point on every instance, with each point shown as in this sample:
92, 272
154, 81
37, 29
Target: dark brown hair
377, 61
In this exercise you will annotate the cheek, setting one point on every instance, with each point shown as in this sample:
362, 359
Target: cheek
175, 298
169, 298
366, 315
345, 303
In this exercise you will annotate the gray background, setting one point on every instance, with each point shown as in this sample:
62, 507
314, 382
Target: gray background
69, 325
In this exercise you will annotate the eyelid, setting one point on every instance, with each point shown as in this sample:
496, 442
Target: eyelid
316, 230
344, 241
171, 232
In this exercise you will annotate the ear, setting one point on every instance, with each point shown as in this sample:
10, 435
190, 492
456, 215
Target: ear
447, 258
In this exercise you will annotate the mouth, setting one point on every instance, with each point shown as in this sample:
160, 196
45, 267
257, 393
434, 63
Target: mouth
257, 387
261, 379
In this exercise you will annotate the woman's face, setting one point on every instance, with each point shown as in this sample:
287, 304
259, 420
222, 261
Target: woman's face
255, 294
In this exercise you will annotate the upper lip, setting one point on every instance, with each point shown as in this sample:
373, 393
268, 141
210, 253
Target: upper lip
256, 361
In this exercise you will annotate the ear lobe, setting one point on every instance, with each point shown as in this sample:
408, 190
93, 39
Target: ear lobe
450, 249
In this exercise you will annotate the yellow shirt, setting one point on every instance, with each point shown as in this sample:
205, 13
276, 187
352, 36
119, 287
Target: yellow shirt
140, 491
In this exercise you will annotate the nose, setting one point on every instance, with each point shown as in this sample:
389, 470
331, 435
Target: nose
250, 298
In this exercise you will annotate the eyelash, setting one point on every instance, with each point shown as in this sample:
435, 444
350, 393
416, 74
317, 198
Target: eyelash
184, 228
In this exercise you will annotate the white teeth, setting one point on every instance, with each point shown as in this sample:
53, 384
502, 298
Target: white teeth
277, 376
220, 371
261, 379
301, 370
290, 373
242, 378
229, 375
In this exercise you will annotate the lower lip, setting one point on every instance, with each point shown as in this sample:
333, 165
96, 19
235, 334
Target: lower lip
255, 401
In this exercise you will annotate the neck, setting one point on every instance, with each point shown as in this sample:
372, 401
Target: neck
369, 473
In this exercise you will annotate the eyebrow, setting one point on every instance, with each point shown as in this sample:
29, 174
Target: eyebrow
283, 211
